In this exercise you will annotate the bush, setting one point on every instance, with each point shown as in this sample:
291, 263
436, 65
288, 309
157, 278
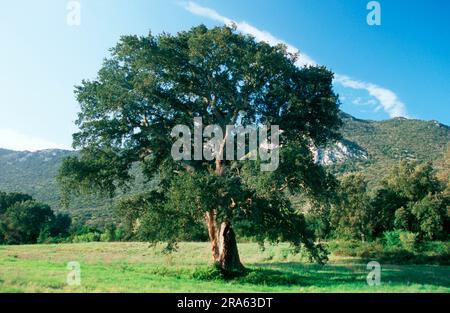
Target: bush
409, 249
398, 240
355, 248
209, 273
88, 237
391, 239
121, 234
408, 241
430, 213
109, 233
23, 222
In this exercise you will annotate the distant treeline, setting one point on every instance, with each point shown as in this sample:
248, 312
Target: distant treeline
413, 199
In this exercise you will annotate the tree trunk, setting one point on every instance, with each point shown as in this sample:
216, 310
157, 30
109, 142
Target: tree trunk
223, 244
211, 223
228, 251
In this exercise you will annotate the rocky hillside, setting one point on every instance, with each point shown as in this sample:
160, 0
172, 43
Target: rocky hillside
374, 146
34, 173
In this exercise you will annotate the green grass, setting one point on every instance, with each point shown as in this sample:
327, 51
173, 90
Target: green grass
136, 267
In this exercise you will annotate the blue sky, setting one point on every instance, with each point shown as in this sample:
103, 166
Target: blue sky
401, 67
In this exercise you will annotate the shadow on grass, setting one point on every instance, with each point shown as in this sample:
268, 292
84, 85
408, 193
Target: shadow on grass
300, 274
282, 276
337, 274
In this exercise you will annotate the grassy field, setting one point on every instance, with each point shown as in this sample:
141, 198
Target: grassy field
136, 267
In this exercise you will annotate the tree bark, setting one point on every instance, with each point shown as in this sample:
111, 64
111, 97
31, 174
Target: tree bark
228, 251
211, 223
223, 244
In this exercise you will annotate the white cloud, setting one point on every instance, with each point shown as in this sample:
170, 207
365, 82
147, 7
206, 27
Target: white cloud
15, 140
206, 12
388, 100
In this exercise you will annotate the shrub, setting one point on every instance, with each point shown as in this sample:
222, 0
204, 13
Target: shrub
88, 237
408, 241
398, 239
23, 222
209, 273
356, 248
391, 239
109, 233
430, 213
403, 249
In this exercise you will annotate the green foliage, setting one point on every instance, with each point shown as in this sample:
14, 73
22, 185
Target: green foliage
408, 240
9, 199
24, 220
399, 239
145, 216
414, 199
407, 250
353, 215
34, 173
209, 273
404, 219
60, 225
254, 276
412, 180
110, 233
408, 205
391, 239
128, 111
430, 214
420, 200
388, 211
88, 237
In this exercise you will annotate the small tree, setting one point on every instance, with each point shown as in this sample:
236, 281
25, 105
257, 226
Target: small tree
23, 221
353, 215
418, 198
412, 180
430, 214
404, 220
8, 199
153, 83
60, 225
388, 211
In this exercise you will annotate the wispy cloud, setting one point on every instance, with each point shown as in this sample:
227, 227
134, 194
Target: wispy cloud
388, 100
14, 140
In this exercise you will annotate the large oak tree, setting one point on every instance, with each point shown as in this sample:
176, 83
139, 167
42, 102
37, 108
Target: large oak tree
152, 83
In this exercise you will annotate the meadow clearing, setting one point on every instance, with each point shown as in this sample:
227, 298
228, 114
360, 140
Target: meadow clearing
137, 267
